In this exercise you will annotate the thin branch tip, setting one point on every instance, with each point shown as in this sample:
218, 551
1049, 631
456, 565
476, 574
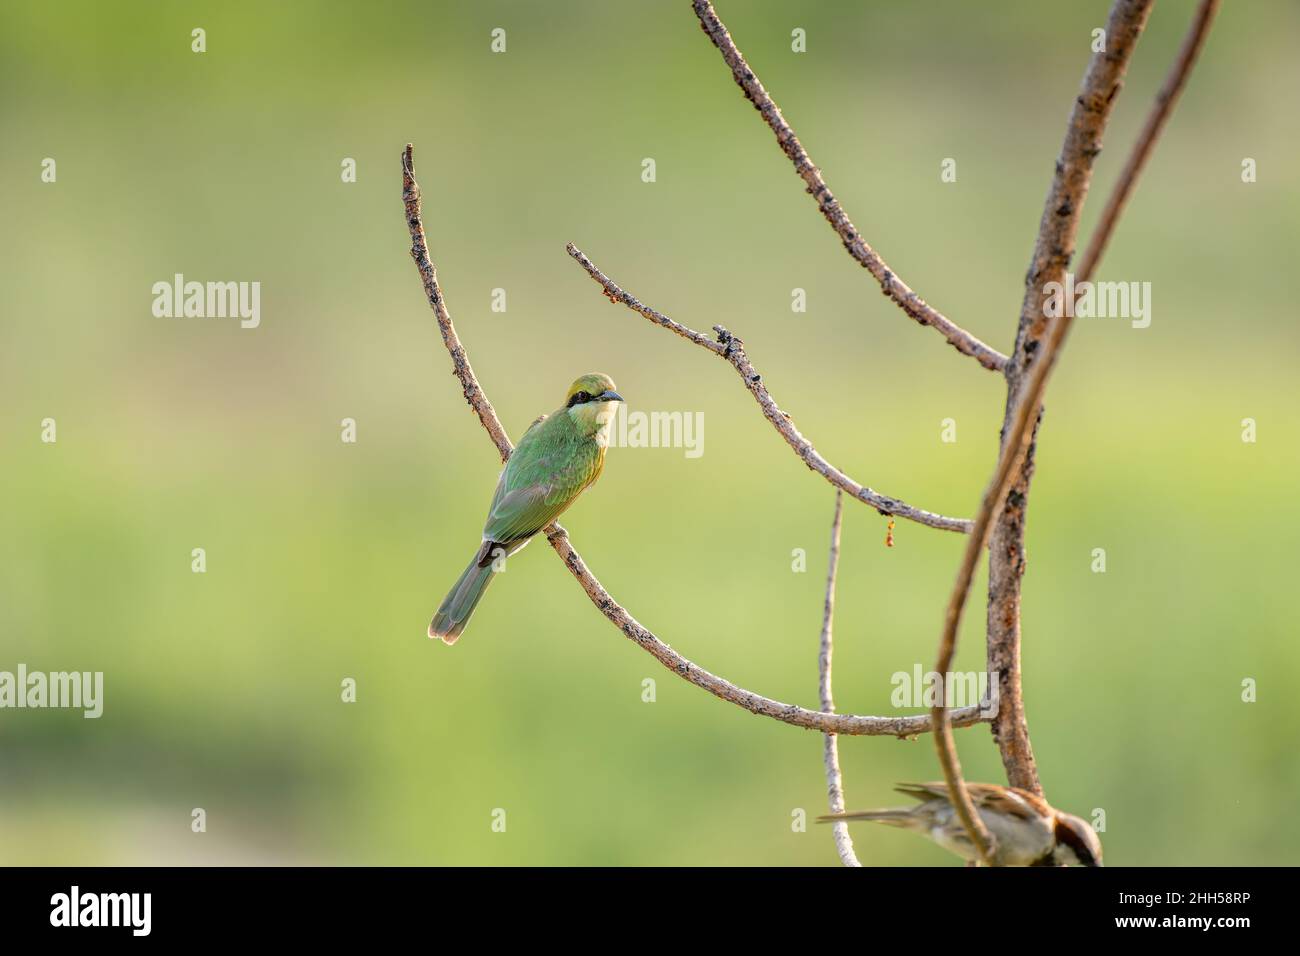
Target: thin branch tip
730, 347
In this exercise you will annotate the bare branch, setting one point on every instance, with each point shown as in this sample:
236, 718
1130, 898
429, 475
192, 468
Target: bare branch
850, 724
460, 361
830, 749
1055, 244
892, 286
846, 724
731, 348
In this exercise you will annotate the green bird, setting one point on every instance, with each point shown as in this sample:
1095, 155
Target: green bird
558, 458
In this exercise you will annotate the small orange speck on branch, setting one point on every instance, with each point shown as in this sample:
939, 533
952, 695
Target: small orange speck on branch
889, 534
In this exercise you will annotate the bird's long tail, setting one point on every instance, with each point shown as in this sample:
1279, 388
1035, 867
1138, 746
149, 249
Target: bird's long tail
456, 608
894, 818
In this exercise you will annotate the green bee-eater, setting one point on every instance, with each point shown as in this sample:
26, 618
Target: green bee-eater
559, 456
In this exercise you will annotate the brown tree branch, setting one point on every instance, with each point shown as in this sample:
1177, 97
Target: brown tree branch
856, 246
1052, 252
1006, 549
731, 348
633, 630
830, 749
849, 724
460, 366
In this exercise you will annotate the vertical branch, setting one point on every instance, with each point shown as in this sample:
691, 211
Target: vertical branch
1007, 547
1027, 374
830, 749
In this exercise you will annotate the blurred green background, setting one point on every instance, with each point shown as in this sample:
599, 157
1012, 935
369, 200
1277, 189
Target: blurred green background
325, 560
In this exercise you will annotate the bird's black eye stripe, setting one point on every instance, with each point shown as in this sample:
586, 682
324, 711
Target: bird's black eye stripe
578, 398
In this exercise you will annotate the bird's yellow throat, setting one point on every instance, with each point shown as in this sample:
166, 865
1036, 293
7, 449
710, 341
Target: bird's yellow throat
593, 419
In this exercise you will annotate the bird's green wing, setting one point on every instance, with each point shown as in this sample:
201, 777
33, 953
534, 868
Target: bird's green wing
520, 514
542, 478
504, 480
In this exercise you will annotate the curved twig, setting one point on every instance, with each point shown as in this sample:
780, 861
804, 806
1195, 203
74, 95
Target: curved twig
846, 724
731, 348
1057, 230
856, 246
830, 749
849, 724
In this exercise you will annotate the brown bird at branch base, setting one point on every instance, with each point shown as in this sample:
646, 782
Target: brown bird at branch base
1026, 829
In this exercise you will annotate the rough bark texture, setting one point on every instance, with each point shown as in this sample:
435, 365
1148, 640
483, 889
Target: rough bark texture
1051, 256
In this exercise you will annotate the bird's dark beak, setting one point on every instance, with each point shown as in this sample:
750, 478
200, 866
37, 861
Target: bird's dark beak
609, 395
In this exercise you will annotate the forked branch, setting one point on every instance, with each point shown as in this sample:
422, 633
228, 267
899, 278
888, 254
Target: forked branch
848, 724
1038, 344
1007, 542
1052, 253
